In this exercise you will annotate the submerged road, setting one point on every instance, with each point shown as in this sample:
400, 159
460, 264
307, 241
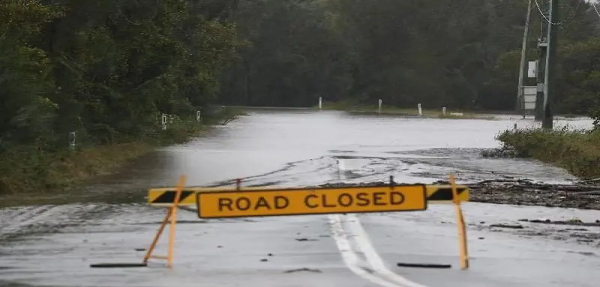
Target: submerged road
53, 243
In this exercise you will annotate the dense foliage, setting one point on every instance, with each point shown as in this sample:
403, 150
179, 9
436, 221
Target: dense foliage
107, 69
456, 53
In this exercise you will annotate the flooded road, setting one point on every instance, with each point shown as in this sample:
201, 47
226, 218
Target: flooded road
303, 147
53, 242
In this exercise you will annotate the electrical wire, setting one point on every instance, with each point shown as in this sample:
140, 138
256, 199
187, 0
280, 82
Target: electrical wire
595, 8
537, 4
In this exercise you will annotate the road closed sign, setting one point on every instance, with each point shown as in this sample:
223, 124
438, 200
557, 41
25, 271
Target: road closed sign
279, 202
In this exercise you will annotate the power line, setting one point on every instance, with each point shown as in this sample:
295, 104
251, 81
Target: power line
595, 9
537, 4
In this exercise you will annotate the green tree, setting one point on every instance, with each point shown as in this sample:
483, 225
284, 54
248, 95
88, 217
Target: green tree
26, 113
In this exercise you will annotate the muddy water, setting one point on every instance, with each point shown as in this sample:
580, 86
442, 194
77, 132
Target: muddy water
314, 147
309, 147
107, 220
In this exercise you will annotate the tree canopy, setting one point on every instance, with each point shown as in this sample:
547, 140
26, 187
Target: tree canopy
107, 68
454, 53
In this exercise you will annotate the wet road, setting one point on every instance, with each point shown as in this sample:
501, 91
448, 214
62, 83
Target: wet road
52, 244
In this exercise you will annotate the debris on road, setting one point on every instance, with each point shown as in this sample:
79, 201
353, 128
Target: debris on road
305, 239
118, 265
513, 226
563, 222
303, 269
423, 265
525, 192
583, 253
499, 153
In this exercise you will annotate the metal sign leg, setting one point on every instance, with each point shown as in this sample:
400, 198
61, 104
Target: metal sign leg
460, 223
170, 217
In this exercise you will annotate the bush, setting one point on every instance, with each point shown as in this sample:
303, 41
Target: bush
578, 151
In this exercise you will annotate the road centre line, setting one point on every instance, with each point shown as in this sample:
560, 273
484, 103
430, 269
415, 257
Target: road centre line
350, 258
362, 241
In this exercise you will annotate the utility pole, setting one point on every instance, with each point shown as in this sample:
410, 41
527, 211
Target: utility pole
520, 96
549, 86
541, 64
541, 69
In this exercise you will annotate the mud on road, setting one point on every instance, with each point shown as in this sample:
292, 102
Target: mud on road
524, 192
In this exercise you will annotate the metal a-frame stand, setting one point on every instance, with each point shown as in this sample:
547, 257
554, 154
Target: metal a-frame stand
170, 217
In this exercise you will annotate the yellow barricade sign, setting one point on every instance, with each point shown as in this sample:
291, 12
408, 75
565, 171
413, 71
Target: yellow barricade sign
166, 196
278, 202
443, 193
261, 201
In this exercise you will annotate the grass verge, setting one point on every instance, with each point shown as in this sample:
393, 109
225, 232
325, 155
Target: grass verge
577, 151
28, 170
394, 111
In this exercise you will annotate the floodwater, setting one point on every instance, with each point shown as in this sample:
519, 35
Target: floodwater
307, 147
303, 147
52, 242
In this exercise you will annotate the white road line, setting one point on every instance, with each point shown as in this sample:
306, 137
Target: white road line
350, 258
362, 240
